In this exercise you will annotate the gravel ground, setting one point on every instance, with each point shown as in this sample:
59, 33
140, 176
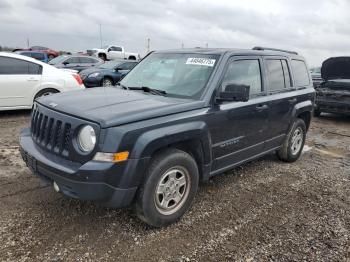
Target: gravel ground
262, 211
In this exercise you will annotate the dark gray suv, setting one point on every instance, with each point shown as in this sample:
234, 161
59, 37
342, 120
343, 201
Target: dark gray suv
177, 118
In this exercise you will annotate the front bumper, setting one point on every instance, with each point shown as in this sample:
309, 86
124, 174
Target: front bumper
92, 81
73, 179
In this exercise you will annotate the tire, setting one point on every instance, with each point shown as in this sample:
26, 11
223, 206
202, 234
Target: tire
107, 82
45, 92
294, 142
172, 174
317, 112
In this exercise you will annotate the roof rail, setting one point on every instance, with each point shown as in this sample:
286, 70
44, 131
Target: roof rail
273, 49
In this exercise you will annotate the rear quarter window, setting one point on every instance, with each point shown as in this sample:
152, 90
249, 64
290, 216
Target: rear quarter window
300, 72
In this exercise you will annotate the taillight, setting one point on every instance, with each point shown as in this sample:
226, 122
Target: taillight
78, 78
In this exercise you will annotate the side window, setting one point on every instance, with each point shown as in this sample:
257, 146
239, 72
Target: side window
301, 75
244, 72
115, 48
286, 72
12, 66
34, 69
73, 60
38, 56
275, 75
129, 66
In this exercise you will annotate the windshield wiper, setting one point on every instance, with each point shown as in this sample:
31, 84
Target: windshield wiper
148, 89
122, 86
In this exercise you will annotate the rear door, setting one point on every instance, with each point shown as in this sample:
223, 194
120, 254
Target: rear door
72, 63
282, 98
238, 128
18, 80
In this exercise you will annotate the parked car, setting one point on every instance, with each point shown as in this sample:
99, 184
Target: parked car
316, 76
107, 74
333, 94
113, 52
43, 57
23, 79
183, 116
51, 53
75, 62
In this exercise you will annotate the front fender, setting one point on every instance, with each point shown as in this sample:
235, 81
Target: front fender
153, 140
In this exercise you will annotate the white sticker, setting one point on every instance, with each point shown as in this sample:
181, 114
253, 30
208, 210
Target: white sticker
200, 61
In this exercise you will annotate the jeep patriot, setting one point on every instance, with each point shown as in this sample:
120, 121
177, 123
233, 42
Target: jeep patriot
178, 118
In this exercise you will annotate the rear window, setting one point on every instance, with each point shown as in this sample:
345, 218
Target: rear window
301, 75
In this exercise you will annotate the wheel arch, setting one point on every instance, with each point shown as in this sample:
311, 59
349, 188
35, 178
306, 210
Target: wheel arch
192, 138
303, 111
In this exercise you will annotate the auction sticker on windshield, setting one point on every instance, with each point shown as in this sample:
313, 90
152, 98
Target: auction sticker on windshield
200, 61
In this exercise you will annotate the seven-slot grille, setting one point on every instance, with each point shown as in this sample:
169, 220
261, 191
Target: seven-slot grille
51, 133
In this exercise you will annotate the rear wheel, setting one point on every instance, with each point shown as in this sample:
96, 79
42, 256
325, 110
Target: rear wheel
294, 142
103, 57
169, 189
45, 92
51, 57
107, 82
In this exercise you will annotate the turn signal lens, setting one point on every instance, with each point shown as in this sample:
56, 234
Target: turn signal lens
111, 157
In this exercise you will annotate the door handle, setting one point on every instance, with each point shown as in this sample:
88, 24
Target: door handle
32, 79
293, 100
261, 107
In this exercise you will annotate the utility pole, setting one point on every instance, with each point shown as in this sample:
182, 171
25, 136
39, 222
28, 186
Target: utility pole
101, 35
27, 42
182, 45
206, 45
148, 45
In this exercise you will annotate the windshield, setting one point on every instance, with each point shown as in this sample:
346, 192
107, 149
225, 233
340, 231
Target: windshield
110, 65
181, 75
57, 60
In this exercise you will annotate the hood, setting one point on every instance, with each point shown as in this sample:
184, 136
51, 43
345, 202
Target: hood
336, 68
114, 106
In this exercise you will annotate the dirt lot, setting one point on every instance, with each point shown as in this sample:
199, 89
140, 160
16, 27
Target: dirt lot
264, 210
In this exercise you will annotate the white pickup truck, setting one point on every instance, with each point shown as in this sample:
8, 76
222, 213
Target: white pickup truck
112, 52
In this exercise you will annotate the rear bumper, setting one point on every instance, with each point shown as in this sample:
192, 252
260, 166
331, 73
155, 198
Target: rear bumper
73, 179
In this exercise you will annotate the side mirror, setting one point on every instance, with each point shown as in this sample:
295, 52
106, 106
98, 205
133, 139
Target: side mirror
235, 92
119, 69
109, 50
65, 63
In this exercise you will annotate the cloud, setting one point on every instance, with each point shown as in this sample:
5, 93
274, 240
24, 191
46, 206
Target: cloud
317, 29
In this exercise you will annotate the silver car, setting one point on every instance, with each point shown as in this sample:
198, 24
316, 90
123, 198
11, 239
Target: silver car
75, 62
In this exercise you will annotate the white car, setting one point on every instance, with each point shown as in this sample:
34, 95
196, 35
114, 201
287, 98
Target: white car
112, 52
23, 79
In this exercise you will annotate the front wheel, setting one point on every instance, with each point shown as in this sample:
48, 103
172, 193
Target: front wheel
107, 82
294, 142
169, 189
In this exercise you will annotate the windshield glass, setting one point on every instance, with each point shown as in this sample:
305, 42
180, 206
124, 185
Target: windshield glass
57, 60
181, 75
110, 64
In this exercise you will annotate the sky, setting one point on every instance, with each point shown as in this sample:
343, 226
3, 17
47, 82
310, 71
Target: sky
317, 29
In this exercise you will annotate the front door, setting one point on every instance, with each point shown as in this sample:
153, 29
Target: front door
238, 129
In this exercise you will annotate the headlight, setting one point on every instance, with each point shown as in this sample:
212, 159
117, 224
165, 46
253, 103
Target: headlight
87, 139
94, 75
